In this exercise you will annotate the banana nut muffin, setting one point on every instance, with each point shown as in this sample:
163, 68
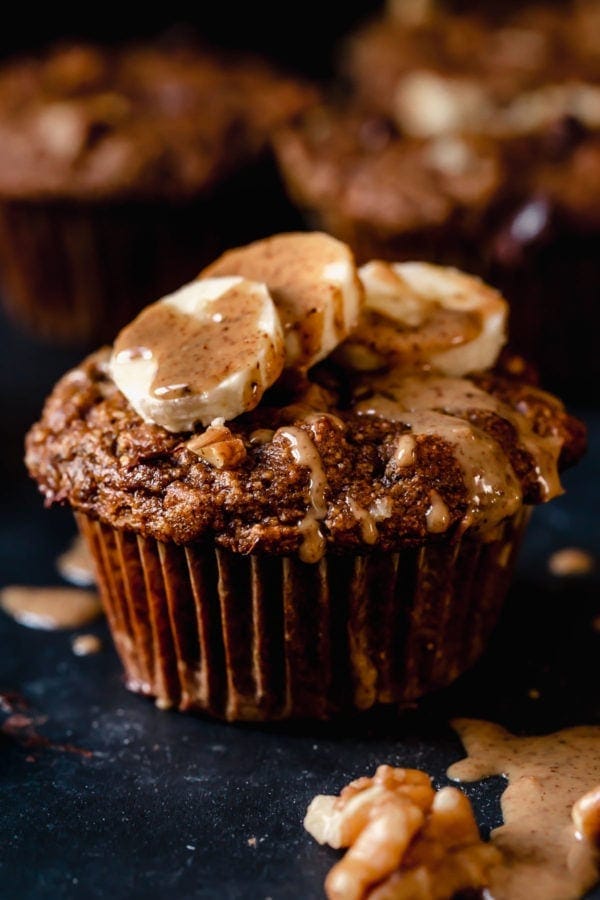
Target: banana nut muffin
116, 169
476, 141
303, 484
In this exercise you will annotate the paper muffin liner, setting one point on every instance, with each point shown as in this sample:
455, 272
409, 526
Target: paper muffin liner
73, 272
555, 313
263, 637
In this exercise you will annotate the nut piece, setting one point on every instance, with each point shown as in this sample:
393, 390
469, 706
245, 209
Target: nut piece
218, 447
586, 816
405, 838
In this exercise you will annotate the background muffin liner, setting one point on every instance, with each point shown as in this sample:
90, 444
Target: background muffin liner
75, 272
262, 637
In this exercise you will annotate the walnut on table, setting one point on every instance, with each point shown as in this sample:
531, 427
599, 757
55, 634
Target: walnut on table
406, 841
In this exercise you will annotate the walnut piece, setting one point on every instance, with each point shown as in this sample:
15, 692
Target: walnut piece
218, 447
407, 841
586, 816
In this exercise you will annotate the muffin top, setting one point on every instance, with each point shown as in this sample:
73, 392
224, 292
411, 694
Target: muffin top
355, 167
436, 71
399, 433
456, 120
151, 121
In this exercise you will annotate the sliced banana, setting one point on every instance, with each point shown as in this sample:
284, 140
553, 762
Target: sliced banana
207, 351
314, 282
421, 316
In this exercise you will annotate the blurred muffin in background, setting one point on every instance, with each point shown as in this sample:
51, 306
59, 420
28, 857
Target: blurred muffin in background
117, 170
474, 140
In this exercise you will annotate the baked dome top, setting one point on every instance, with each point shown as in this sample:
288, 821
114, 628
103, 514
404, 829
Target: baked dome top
147, 120
375, 477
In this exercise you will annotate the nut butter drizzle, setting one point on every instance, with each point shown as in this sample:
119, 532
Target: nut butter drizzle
306, 454
456, 396
544, 856
493, 489
437, 515
435, 406
190, 354
50, 608
75, 564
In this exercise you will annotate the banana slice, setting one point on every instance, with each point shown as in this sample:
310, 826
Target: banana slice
208, 351
422, 316
314, 282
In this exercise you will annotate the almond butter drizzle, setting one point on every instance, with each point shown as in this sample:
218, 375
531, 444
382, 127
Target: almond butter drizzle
404, 454
455, 396
75, 564
493, 489
306, 454
301, 271
193, 355
433, 405
438, 515
368, 528
50, 608
543, 856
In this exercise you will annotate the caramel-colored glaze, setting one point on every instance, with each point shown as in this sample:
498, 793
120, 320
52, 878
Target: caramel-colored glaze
305, 453
438, 514
195, 353
543, 856
404, 454
75, 564
298, 282
493, 489
440, 330
368, 527
50, 608
456, 396
438, 406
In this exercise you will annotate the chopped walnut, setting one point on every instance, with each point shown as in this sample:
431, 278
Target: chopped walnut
586, 816
406, 841
219, 447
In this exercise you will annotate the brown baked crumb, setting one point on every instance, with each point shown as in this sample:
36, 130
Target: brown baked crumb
91, 449
405, 840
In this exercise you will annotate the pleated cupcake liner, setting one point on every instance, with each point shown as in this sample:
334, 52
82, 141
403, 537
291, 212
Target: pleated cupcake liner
265, 638
76, 272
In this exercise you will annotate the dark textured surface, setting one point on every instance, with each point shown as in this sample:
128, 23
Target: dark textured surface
176, 806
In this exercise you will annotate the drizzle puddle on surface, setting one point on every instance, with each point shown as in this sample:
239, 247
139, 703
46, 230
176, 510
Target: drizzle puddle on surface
50, 608
75, 564
543, 857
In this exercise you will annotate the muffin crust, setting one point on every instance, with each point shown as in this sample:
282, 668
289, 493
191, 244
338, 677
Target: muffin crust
92, 450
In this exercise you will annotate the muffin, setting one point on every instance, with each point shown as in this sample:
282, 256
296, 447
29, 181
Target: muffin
303, 484
476, 141
117, 170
